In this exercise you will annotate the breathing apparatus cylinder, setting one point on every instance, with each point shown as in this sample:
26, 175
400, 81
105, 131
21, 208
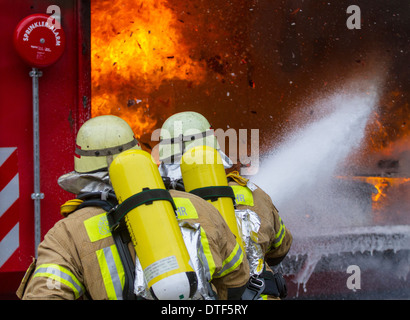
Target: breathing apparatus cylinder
203, 174
152, 224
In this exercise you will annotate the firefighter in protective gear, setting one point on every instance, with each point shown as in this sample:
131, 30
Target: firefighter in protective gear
81, 258
185, 130
273, 237
180, 132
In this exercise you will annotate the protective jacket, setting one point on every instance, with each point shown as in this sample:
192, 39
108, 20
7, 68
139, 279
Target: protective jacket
78, 257
273, 237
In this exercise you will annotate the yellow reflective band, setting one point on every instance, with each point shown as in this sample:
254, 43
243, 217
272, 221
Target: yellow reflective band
97, 227
243, 196
232, 262
185, 208
61, 275
259, 267
280, 229
208, 262
112, 271
279, 236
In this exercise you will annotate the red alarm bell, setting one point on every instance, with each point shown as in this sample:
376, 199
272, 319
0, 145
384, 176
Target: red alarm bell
38, 40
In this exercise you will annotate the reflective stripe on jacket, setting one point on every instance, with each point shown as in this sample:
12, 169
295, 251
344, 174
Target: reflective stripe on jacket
82, 249
56, 276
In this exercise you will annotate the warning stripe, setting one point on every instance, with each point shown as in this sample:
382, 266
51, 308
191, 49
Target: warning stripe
9, 219
9, 244
9, 196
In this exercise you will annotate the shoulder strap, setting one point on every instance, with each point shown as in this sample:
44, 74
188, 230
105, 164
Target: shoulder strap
108, 202
147, 196
102, 199
214, 192
96, 203
122, 238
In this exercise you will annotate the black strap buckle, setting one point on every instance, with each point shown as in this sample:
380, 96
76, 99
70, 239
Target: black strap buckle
254, 288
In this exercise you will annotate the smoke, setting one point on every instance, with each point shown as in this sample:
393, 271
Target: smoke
299, 173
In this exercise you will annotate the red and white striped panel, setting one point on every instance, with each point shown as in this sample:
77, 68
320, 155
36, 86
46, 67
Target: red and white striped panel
9, 198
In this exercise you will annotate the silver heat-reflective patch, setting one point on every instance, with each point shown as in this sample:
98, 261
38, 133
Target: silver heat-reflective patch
249, 223
77, 183
170, 170
191, 234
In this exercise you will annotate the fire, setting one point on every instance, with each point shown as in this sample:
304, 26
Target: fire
389, 202
135, 47
387, 164
383, 186
390, 126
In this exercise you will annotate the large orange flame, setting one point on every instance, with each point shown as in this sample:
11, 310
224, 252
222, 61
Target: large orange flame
135, 46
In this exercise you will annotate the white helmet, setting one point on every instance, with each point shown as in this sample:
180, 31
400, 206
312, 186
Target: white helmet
183, 131
99, 140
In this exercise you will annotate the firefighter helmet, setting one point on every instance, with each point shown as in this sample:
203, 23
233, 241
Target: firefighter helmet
183, 131
100, 140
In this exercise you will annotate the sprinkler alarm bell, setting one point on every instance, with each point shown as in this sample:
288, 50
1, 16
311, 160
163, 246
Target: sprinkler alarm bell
39, 40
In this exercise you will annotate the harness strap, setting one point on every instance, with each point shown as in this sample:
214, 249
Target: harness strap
254, 288
96, 203
104, 200
214, 192
122, 238
144, 197
107, 201
275, 284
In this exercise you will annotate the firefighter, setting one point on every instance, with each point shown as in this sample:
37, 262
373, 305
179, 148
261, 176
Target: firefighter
82, 257
186, 130
274, 238
180, 132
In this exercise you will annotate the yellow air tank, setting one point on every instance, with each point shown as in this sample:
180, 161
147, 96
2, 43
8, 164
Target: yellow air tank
151, 221
202, 170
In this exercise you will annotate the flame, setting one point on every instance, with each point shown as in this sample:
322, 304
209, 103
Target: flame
135, 47
379, 134
390, 192
382, 185
386, 166
390, 126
